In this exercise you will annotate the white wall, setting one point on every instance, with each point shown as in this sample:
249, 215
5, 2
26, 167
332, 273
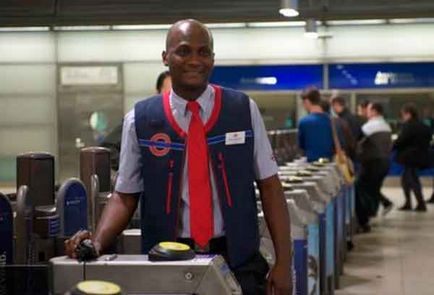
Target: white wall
28, 63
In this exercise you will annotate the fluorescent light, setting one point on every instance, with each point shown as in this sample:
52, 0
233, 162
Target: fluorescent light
140, 27
357, 22
275, 24
411, 20
289, 8
24, 29
226, 25
82, 28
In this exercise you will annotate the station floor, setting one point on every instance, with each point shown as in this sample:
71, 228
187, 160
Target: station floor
396, 257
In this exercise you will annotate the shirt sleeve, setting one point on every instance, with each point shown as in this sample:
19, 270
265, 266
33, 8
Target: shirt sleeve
129, 179
264, 162
301, 136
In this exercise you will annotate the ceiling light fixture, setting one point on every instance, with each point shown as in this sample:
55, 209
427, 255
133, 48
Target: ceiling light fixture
289, 8
24, 29
310, 28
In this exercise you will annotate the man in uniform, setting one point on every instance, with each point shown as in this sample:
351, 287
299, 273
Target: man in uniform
192, 156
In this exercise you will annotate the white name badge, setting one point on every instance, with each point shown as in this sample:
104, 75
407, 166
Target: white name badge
235, 138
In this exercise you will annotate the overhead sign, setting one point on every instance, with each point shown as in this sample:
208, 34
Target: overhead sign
381, 75
270, 77
88, 75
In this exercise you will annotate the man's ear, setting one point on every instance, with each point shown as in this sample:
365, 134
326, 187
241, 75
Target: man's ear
164, 57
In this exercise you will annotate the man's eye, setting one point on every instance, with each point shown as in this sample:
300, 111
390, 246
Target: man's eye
182, 51
205, 52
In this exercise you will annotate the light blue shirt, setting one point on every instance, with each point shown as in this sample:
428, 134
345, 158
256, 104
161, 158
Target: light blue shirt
130, 177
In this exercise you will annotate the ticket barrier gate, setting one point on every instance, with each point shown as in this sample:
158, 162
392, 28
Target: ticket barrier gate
309, 210
334, 187
96, 175
299, 246
325, 242
208, 274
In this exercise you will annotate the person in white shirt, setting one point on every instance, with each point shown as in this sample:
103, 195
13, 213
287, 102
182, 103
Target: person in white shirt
373, 153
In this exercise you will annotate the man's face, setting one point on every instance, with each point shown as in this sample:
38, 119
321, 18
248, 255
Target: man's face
190, 56
370, 112
337, 108
405, 116
362, 111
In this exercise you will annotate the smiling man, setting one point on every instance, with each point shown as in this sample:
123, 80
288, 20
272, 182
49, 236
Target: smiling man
192, 155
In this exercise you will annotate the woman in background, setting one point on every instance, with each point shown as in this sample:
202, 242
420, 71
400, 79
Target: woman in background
412, 148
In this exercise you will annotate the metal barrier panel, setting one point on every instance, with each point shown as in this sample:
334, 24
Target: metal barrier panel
313, 259
330, 246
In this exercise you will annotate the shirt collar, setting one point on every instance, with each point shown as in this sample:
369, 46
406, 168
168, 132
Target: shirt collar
180, 103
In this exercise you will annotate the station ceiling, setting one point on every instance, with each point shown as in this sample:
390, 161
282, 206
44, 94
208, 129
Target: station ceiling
92, 12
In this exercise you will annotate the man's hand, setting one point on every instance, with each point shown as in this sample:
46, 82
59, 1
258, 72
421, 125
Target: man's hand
72, 243
280, 280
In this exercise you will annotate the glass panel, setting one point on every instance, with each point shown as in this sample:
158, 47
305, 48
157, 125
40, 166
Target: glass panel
31, 79
278, 109
392, 103
27, 110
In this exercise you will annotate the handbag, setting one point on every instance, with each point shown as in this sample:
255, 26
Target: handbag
343, 162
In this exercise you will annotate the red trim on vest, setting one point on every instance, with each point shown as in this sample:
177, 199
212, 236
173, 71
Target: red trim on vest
211, 121
216, 109
170, 117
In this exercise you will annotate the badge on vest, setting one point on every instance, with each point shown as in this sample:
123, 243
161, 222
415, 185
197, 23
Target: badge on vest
233, 138
159, 150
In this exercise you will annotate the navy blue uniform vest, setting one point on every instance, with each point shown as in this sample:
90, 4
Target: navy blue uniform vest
163, 149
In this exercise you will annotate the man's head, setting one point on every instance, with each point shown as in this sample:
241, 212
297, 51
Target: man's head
189, 55
408, 112
311, 98
164, 82
375, 109
338, 104
362, 108
325, 105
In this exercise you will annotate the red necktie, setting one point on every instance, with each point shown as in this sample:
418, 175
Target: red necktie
199, 186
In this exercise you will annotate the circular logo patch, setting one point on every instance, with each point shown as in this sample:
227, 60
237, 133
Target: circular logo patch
160, 151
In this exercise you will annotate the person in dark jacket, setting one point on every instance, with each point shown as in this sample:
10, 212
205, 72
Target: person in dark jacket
340, 109
373, 154
345, 135
412, 148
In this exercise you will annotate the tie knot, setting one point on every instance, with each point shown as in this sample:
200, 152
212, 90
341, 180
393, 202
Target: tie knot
193, 106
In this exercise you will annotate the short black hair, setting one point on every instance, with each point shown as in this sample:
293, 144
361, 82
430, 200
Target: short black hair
378, 107
312, 94
339, 100
325, 105
364, 103
411, 109
160, 80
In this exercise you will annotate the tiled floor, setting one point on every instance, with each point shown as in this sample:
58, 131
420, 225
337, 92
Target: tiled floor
396, 258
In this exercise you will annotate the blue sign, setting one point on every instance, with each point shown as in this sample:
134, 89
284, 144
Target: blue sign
381, 75
271, 77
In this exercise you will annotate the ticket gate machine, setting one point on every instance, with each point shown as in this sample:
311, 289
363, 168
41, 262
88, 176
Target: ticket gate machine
208, 274
95, 174
299, 245
6, 231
